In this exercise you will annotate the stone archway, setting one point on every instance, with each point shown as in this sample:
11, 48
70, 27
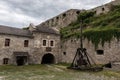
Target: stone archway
48, 59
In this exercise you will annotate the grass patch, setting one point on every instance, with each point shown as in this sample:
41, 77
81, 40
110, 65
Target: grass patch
50, 72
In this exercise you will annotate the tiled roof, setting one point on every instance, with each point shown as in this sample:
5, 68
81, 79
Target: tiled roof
14, 31
45, 29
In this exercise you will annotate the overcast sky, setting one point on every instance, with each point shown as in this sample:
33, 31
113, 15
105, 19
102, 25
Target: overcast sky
20, 13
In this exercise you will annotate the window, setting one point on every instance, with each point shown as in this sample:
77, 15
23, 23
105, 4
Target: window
57, 18
64, 53
61, 46
103, 9
26, 42
95, 12
100, 52
7, 42
44, 42
64, 15
71, 40
48, 22
51, 43
5, 61
78, 12
52, 20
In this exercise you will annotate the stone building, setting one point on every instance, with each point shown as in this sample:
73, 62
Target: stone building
42, 44
39, 44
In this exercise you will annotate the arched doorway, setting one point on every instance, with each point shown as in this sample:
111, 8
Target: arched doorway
48, 59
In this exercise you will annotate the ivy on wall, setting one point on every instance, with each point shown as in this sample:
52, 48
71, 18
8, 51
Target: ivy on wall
102, 36
102, 28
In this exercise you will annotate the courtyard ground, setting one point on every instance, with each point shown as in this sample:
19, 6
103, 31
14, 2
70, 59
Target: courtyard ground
52, 72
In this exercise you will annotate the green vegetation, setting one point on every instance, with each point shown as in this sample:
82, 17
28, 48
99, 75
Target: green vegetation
52, 72
101, 36
25, 28
97, 28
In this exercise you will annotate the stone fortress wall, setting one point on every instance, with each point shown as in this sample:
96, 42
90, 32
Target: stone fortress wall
65, 18
110, 51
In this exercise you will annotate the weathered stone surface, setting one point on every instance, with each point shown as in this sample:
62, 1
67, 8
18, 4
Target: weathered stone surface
67, 17
63, 19
16, 44
40, 50
35, 50
111, 51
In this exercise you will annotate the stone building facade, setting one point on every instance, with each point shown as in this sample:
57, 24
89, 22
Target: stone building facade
16, 45
38, 45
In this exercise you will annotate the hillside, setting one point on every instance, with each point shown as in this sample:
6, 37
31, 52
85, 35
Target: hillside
97, 28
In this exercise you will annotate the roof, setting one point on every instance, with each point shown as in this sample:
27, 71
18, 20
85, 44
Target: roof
45, 29
14, 31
